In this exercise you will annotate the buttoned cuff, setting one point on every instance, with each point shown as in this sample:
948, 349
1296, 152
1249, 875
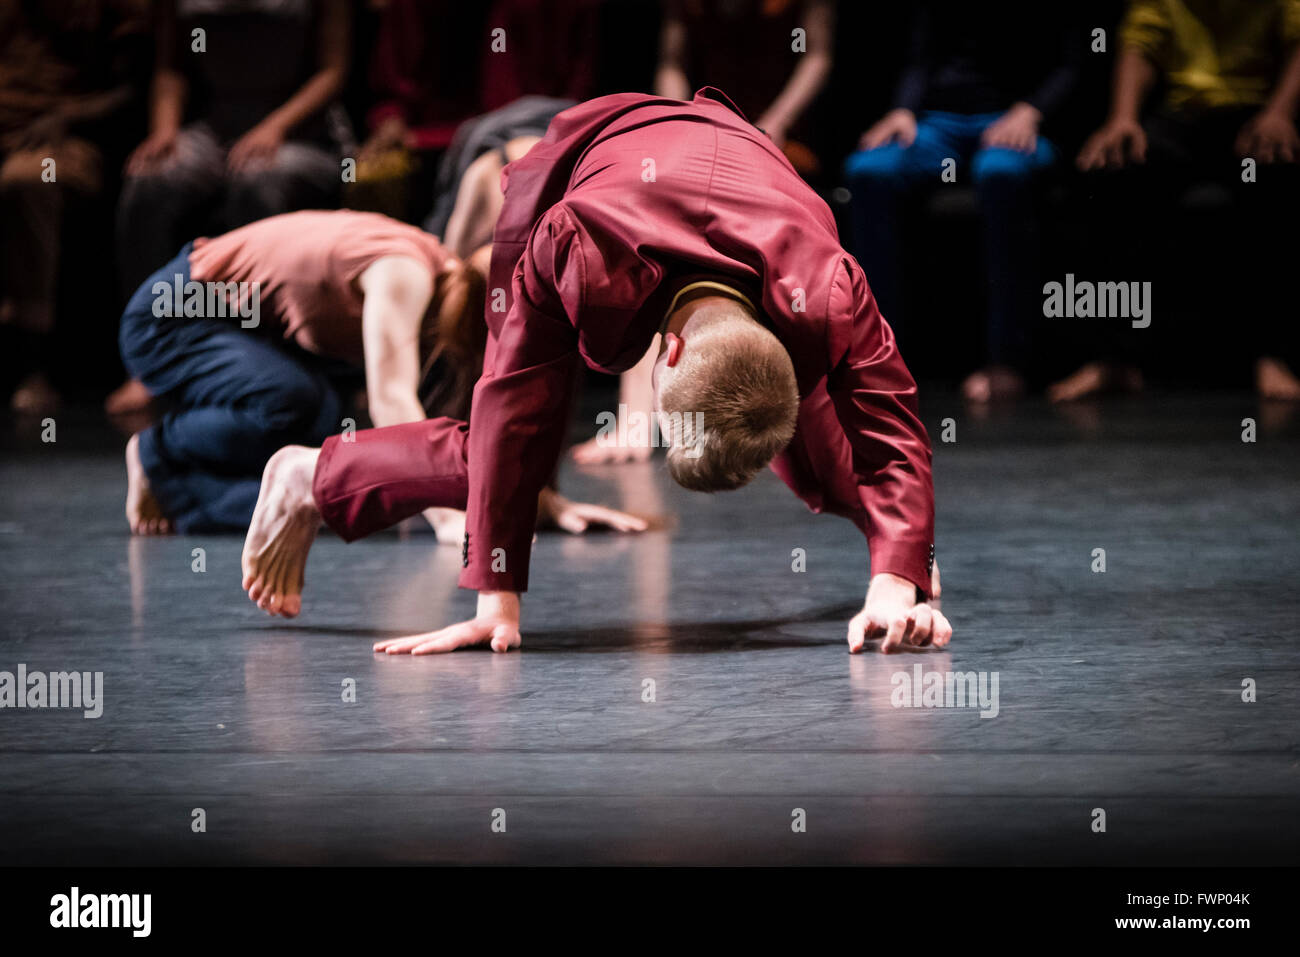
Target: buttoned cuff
493, 566
913, 561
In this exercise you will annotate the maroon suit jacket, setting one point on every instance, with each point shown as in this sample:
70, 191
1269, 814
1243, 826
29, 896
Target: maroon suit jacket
626, 199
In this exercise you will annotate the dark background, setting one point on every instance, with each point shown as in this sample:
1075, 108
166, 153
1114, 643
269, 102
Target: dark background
946, 289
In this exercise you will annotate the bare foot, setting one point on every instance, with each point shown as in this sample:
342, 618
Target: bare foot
129, 398
143, 513
35, 396
1274, 380
1096, 378
448, 525
284, 526
594, 452
993, 384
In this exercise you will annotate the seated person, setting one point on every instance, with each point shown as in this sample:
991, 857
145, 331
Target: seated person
747, 49
1231, 75
976, 93
62, 72
242, 129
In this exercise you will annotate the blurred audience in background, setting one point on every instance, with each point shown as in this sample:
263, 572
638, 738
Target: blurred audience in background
969, 108
541, 48
243, 124
63, 74
193, 117
424, 82
436, 96
1229, 79
772, 57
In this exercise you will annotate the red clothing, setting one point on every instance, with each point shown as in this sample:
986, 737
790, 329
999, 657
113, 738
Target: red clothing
590, 250
422, 73
549, 50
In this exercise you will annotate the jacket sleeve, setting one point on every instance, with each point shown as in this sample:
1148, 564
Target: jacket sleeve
520, 407
874, 399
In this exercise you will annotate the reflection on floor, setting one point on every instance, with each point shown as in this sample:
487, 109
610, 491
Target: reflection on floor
686, 696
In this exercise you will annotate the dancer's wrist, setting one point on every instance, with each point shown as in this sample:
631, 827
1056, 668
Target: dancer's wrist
502, 605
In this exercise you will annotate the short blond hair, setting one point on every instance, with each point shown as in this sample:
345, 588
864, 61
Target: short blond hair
732, 402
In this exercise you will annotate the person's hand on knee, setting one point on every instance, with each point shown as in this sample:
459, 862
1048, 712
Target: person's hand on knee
1270, 137
896, 126
1116, 144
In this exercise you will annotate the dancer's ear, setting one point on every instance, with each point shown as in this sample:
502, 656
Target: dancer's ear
675, 346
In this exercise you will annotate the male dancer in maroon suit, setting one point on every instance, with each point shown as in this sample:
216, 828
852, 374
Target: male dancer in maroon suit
641, 219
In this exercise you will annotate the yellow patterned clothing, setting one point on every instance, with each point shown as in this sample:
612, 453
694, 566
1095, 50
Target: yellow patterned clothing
1214, 53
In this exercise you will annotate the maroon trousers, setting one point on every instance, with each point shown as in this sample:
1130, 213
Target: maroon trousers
370, 480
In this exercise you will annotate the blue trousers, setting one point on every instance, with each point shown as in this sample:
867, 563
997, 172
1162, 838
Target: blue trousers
883, 178
233, 397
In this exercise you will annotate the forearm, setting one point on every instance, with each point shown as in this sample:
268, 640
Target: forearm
887, 585
327, 83
393, 407
1055, 90
671, 82
499, 604
670, 75
1286, 95
314, 96
1134, 76
95, 105
805, 83
1027, 107
167, 102
812, 72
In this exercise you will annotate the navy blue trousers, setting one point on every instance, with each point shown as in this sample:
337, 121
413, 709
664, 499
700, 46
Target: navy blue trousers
232, 398
1003, 178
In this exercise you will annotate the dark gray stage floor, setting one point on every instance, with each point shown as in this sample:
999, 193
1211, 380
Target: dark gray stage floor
1119, 691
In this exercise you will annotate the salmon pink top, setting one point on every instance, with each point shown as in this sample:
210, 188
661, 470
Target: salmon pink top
307, 265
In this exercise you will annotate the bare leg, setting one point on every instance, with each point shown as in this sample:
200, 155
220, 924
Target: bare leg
478, 204
1096, 378
993, 384
130, 398
448, 525
284, 526
479, 199
1273, 380
143, 513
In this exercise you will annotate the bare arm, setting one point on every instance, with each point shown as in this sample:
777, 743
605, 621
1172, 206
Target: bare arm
1121, 138
327, 82
167, 93
1270, 135
1134, 77
670, 75
808, 77
1286, 95
397, 291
